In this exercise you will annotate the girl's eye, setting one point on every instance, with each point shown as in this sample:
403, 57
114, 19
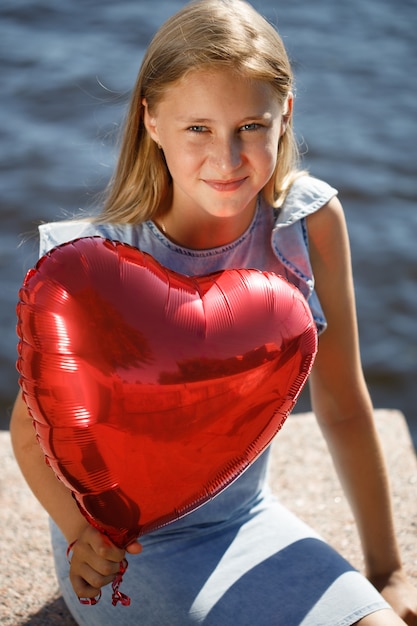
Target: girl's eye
197, 129
252, 126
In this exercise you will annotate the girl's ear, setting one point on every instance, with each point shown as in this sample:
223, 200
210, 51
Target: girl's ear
287, 112
150, 122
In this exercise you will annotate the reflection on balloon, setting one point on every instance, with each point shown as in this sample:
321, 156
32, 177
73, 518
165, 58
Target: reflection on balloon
151, 391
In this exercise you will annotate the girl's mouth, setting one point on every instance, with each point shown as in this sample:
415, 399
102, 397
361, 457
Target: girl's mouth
226, 185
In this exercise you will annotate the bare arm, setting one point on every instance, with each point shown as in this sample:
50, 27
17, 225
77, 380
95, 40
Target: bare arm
51, 493
95, 560
342, 404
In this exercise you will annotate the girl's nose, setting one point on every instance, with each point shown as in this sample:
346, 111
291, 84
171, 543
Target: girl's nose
226, 153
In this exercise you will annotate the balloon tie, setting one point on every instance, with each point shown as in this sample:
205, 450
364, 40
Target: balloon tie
69, 550
117, 595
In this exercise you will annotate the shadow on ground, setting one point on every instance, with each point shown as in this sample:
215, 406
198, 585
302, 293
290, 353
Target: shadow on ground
55, 613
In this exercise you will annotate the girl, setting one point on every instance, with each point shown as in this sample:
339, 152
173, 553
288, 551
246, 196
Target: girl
207, 179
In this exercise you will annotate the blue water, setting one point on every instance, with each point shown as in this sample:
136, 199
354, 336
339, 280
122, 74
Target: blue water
67, 68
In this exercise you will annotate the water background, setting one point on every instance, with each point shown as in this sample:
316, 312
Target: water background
66, 72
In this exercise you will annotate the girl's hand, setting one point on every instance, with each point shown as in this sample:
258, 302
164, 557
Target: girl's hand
400, 594
95, 562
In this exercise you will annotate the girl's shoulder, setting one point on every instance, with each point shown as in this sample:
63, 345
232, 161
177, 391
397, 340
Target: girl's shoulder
305, 196
53, 234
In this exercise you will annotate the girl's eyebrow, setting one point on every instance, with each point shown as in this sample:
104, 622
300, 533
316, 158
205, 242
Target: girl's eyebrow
264, 117
194, 120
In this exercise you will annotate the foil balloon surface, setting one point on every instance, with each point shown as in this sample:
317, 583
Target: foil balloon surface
150, 391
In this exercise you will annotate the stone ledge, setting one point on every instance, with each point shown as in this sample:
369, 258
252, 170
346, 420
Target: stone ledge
301, 472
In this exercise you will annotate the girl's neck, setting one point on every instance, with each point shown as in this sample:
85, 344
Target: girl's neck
203, 234
201, 231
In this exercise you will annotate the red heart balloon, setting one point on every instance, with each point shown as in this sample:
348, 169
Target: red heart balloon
151, 391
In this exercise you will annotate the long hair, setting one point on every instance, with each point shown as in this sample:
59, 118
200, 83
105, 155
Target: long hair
228, 34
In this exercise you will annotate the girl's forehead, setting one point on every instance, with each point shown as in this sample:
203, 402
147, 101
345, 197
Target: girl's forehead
214, 74
218, 84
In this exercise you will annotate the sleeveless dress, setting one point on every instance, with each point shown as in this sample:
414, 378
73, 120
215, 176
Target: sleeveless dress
242, 558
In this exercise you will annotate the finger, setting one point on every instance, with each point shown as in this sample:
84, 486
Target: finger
87, 582
103, 547
84, 561
134, 548
82, 589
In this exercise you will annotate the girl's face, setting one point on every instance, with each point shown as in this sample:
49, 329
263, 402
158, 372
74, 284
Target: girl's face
219, 133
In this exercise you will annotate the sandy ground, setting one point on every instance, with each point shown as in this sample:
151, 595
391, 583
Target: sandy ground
301, 472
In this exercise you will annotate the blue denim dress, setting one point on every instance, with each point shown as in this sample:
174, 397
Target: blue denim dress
242, 558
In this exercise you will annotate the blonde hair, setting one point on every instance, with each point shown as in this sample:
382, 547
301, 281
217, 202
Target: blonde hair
204, 34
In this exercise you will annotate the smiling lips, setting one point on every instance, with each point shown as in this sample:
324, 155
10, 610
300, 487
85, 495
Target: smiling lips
226, 185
